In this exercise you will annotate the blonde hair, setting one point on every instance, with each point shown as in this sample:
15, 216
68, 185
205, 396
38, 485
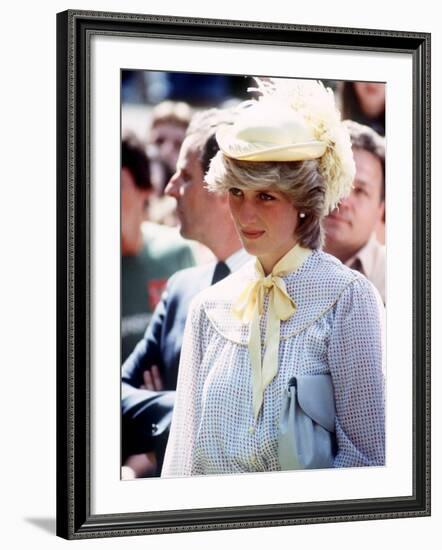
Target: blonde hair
300, 181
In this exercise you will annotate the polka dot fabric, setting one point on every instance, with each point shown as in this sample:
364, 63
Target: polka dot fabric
336, 328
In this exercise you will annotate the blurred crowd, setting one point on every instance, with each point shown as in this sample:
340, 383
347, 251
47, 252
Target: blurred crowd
177, 238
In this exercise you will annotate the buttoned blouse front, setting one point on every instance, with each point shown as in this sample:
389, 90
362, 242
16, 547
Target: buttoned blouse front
336, 329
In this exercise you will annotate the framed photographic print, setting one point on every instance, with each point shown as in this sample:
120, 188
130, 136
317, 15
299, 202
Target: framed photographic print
122, 80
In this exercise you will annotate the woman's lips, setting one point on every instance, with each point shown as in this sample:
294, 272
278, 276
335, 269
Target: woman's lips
252, 234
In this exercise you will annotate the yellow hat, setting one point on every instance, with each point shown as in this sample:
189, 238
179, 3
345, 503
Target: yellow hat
293, 120
275, 135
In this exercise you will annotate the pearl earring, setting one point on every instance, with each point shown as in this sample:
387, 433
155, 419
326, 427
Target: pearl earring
302, 214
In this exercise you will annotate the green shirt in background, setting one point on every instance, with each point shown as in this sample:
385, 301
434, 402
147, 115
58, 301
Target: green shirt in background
144, 276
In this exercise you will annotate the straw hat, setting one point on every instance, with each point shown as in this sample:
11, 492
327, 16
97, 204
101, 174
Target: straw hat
262, 134
293, 120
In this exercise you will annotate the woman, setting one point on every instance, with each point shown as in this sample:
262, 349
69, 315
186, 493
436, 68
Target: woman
294, 313
364, 102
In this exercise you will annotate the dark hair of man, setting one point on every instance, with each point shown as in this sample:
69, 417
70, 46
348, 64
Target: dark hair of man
134, 159
210, 149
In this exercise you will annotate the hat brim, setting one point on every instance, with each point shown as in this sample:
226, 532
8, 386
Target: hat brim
259, 152
302, 151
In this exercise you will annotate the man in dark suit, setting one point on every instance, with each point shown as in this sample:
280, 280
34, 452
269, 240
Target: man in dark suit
150, 373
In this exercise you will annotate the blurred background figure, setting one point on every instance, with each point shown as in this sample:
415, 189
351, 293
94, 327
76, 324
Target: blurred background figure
167, 129
350, 228
150, 253
164, 102
168, 124
149, 375
364, 102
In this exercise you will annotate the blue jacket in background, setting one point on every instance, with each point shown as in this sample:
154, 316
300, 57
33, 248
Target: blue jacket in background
147, 414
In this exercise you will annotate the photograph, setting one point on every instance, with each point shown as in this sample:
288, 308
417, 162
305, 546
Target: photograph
225, 177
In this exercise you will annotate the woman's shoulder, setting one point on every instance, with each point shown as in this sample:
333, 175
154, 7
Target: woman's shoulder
317, 287
326, 266
342, 278
322, 278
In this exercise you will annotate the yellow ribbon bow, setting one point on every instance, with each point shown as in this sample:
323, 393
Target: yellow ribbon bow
249, 308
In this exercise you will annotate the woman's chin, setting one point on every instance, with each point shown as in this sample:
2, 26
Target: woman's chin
252, 247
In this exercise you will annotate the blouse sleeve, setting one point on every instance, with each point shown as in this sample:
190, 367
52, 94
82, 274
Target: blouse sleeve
178, 458
356, 366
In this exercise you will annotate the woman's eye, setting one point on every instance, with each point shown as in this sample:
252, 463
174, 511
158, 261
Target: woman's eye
235, 191
266, 197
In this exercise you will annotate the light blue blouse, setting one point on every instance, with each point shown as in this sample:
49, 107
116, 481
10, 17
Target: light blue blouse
337, 328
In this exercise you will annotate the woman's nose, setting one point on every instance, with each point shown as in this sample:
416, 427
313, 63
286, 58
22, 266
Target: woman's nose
247, 213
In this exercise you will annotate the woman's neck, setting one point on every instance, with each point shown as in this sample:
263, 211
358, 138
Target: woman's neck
268, 261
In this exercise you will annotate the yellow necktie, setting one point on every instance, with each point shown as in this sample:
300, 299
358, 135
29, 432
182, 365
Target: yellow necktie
249, 308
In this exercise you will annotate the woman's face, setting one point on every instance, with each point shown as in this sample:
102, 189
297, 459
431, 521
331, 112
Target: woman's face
371, 97
266, 222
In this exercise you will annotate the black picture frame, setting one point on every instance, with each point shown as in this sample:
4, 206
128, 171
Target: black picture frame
74, 32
